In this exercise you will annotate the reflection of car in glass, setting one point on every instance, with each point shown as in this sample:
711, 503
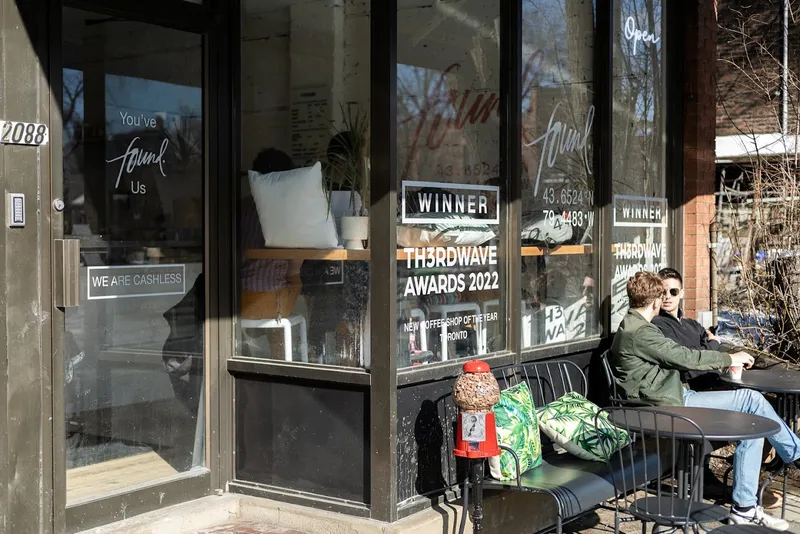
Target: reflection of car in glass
738, 329
538, 230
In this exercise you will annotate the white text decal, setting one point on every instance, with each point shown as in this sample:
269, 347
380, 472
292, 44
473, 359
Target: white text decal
632, 33
134, 158
560, 139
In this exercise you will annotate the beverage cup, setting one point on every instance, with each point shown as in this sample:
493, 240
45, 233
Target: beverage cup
736, 371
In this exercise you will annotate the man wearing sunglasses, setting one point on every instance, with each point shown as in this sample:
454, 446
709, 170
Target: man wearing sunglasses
691, 334
685, 331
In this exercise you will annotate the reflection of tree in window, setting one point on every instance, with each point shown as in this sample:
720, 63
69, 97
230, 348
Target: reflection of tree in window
72, 149
558, 167
559, 36
158, 117
639, 104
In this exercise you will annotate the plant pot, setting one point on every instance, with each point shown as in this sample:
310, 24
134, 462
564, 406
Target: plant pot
355, 230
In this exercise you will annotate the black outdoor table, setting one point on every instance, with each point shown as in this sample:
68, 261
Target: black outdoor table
715, 424
768, 380
786, 386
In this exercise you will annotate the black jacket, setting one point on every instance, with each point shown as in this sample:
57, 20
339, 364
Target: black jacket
690, 334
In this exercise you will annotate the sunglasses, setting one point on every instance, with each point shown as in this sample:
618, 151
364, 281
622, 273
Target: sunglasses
674, 292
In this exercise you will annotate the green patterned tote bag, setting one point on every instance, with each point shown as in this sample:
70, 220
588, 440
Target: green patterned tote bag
570, 423
518, 429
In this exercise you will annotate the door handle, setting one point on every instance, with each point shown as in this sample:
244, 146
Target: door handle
66, 273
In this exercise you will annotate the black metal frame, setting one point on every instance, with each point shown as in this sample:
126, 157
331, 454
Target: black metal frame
674, 160
511, 168
220, 22
604, 96
213, 25
682, 461
384, 378
383, 277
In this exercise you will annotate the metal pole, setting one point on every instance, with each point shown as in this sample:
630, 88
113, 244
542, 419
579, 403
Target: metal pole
383, 275
477, 495
714, 239
785, 70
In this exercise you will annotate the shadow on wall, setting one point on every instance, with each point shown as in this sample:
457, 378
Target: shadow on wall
429, 436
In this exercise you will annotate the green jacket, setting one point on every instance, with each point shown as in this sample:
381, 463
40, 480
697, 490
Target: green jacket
647, 365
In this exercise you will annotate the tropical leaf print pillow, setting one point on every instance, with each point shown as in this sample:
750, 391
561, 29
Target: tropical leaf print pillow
570, 423
518, 429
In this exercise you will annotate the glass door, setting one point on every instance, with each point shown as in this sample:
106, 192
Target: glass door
133, 200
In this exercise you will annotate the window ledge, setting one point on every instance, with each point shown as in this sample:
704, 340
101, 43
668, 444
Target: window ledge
323, 373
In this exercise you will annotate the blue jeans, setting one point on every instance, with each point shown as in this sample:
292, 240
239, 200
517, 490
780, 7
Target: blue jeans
747, 458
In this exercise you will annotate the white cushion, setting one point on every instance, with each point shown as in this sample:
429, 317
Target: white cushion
293, 209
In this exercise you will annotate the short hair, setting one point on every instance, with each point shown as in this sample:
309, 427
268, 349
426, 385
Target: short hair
272, 160
669, 272
643, 289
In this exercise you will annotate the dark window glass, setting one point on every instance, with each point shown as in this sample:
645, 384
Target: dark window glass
640, 209
449, 269
559, 303
133, 188
303, 437
304, 171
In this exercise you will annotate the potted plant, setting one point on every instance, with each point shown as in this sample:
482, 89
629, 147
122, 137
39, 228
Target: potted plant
348, 160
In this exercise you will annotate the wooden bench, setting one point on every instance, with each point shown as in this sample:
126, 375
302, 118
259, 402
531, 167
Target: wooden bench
576, 486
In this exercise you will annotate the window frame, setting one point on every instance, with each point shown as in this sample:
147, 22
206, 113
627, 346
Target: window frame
383, 377
383, 224
383, 231
511, 194
209, 22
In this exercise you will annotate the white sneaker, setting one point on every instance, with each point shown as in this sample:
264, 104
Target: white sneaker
757, 516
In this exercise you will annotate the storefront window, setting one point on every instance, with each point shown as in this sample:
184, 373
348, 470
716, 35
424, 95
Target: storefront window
132, 110
303, 217
559, 302
448, 134
640, 209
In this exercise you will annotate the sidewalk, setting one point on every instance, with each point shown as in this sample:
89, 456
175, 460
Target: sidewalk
601, 522
247, 527
236, 514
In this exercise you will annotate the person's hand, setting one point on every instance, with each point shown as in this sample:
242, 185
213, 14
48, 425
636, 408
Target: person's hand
712, 337
743, 359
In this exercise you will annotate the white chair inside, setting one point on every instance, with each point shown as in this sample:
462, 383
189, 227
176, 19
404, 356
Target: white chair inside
286, 324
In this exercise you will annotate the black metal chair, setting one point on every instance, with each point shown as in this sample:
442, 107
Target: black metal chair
679, 506
615, 399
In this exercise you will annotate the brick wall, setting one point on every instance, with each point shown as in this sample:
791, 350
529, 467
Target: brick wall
699, 97
749, 51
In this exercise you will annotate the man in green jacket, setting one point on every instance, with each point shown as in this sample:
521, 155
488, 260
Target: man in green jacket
647, 366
